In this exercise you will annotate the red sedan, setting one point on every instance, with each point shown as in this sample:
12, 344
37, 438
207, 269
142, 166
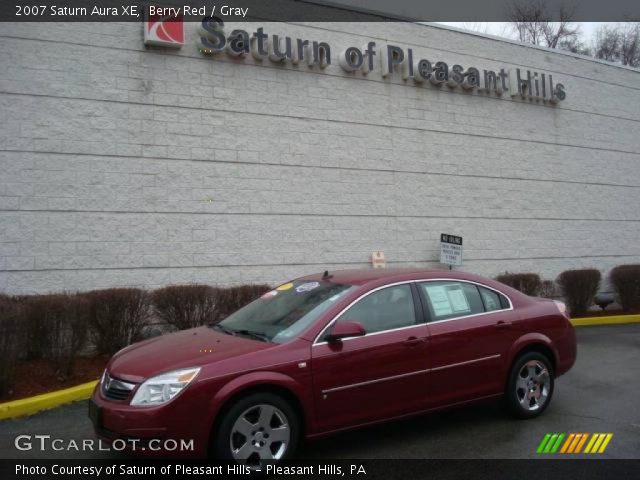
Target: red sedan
335, 351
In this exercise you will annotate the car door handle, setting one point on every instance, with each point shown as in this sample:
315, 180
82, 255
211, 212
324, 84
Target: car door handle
503, 324
413, 341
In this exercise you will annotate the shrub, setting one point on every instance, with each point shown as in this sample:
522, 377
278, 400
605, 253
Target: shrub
63, 319
117, 317
579, 287
548, 289
234, 298
626, 281
185, 306
527, 283
10, 315
34, 339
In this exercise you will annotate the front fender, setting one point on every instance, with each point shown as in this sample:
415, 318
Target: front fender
266, 378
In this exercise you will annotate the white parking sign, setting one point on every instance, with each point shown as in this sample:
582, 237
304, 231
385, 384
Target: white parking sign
450, 249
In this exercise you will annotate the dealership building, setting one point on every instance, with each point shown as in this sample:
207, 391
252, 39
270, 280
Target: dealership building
147, 155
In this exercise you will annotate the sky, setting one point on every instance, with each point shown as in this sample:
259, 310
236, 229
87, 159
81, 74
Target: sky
503, 29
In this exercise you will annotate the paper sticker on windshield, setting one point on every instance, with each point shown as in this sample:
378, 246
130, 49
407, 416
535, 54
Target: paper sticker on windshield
286, 286
307, 287
269, 294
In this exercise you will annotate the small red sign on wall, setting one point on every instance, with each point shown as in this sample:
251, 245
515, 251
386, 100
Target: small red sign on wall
163, 30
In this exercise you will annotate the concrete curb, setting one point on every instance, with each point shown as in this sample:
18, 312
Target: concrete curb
612, 320
31, 405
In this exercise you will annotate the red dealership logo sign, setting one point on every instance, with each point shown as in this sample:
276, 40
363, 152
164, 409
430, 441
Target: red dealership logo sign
163, 27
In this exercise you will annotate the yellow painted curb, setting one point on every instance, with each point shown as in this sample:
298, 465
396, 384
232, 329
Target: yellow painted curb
612, 320
31, 405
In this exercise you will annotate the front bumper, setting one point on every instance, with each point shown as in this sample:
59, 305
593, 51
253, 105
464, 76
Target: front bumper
172, 430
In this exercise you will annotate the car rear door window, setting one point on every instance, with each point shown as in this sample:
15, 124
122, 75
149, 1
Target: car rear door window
450, 299
386, 309
493, 300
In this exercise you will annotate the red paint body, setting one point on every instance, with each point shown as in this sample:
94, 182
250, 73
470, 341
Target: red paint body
344, 384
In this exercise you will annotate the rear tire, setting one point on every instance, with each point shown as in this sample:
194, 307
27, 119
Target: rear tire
257, 428
530, 385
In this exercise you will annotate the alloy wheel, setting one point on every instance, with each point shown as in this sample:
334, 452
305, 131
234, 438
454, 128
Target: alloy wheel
533, 385
261, 432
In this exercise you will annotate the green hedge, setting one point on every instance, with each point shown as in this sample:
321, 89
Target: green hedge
527, 283
579, 288
626, 280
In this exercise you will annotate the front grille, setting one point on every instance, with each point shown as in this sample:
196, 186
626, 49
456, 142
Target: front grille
115, 389
116, 393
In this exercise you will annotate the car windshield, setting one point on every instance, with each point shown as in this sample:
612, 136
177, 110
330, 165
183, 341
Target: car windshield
282, 313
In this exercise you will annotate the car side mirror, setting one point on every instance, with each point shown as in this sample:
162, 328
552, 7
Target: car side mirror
346, 329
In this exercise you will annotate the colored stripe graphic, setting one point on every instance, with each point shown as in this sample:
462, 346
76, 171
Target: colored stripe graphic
567, 443
591, 442
605, 443
550, 443
598, 443
555, 447
543, 443
581, 443
572, 443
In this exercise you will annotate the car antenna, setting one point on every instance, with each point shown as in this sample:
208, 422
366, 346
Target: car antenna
326, 276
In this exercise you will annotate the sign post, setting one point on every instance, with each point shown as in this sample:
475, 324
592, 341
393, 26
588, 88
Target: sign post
450, 250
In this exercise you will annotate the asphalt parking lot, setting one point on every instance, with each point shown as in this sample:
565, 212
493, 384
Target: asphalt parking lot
600, 394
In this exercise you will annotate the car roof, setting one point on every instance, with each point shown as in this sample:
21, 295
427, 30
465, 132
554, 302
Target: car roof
367, 275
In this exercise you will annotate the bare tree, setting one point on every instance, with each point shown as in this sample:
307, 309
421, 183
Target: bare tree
619, 43
574, 45
630, 47
527, 19
562, 31
533, 23
607, 43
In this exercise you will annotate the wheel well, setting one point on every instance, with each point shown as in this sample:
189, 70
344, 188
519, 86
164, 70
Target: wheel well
540, 348
285, 393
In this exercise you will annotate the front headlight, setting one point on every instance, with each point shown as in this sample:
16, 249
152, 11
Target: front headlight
162, 388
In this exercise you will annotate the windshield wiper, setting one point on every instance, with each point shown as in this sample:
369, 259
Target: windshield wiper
252, 334
226, 330
243, 332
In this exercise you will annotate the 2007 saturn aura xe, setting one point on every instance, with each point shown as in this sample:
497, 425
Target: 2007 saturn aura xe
334, 351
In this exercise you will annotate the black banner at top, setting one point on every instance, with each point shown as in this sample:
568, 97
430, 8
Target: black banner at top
309, 10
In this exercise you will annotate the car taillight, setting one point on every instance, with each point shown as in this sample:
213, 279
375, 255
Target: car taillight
562, 308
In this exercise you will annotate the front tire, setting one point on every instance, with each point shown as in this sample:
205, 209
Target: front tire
258, 428
530, 385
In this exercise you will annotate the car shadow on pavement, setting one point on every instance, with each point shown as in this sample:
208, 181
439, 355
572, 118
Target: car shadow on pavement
434, 433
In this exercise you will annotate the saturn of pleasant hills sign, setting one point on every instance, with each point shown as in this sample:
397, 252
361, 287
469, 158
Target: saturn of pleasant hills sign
392, 60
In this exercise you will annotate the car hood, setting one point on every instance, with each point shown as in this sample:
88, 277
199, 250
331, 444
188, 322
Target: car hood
188, 348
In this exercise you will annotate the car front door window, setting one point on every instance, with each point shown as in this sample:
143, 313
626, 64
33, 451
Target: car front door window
386, 309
